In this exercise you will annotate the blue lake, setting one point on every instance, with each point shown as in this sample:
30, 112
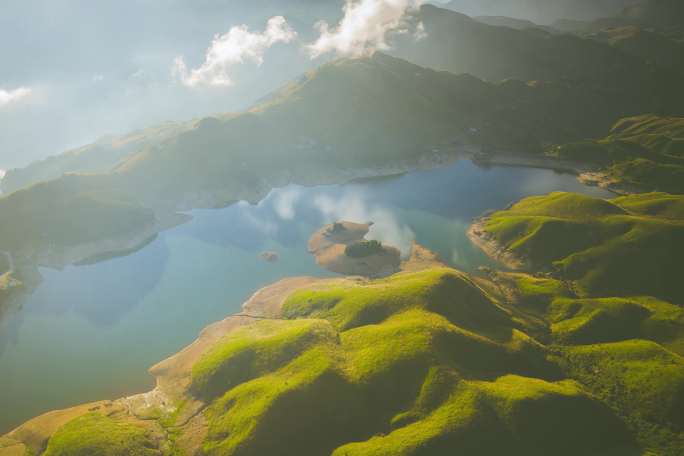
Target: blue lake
91, 332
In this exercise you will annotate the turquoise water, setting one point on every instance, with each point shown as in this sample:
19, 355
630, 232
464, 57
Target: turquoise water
91, 332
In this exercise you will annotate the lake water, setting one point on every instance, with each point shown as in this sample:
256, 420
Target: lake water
91, 332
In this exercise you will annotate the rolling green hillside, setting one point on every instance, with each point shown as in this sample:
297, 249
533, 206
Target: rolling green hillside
643, 152
420, 363
628, 246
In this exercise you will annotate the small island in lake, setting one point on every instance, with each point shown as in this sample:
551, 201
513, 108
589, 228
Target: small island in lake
342, 247
269, 256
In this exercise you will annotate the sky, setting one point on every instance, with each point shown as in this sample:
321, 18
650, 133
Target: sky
75, 70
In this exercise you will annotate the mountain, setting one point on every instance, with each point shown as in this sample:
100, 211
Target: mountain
98, 157
613, 77
459, 44
540, 11
664, 14
349, 118
504, 21
650, 46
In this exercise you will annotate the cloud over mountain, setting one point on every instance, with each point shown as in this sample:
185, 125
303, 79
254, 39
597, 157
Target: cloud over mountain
364, 28
232, 48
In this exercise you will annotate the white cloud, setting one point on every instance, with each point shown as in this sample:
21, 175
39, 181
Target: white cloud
353, 208
364, 28
234, 47
2, 173
8, 97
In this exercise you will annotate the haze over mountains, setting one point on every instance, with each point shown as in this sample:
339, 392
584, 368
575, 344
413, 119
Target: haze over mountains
537, 89
88, 79
541, 11
566, 337
78, 93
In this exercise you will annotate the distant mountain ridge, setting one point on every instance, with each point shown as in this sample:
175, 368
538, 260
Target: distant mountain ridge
618, 75
540, 11
350, 118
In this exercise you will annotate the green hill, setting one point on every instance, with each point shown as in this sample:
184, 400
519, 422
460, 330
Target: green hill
643, 152
628, 246
420, 363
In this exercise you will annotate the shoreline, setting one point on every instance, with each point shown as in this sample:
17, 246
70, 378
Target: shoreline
171, 214
477, 235
173, 375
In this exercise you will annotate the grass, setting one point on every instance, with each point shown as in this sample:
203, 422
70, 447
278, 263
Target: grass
251, 352
445, 291
505, 416
645, 152
95, 434
588, 321
625, 247
641, 381
351, 388
427, 363
536, 293
415, 375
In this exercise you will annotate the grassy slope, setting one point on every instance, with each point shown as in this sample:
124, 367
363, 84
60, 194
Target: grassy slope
415, 364
629, 246
580, 321
419, 363
646, 152
95, 434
